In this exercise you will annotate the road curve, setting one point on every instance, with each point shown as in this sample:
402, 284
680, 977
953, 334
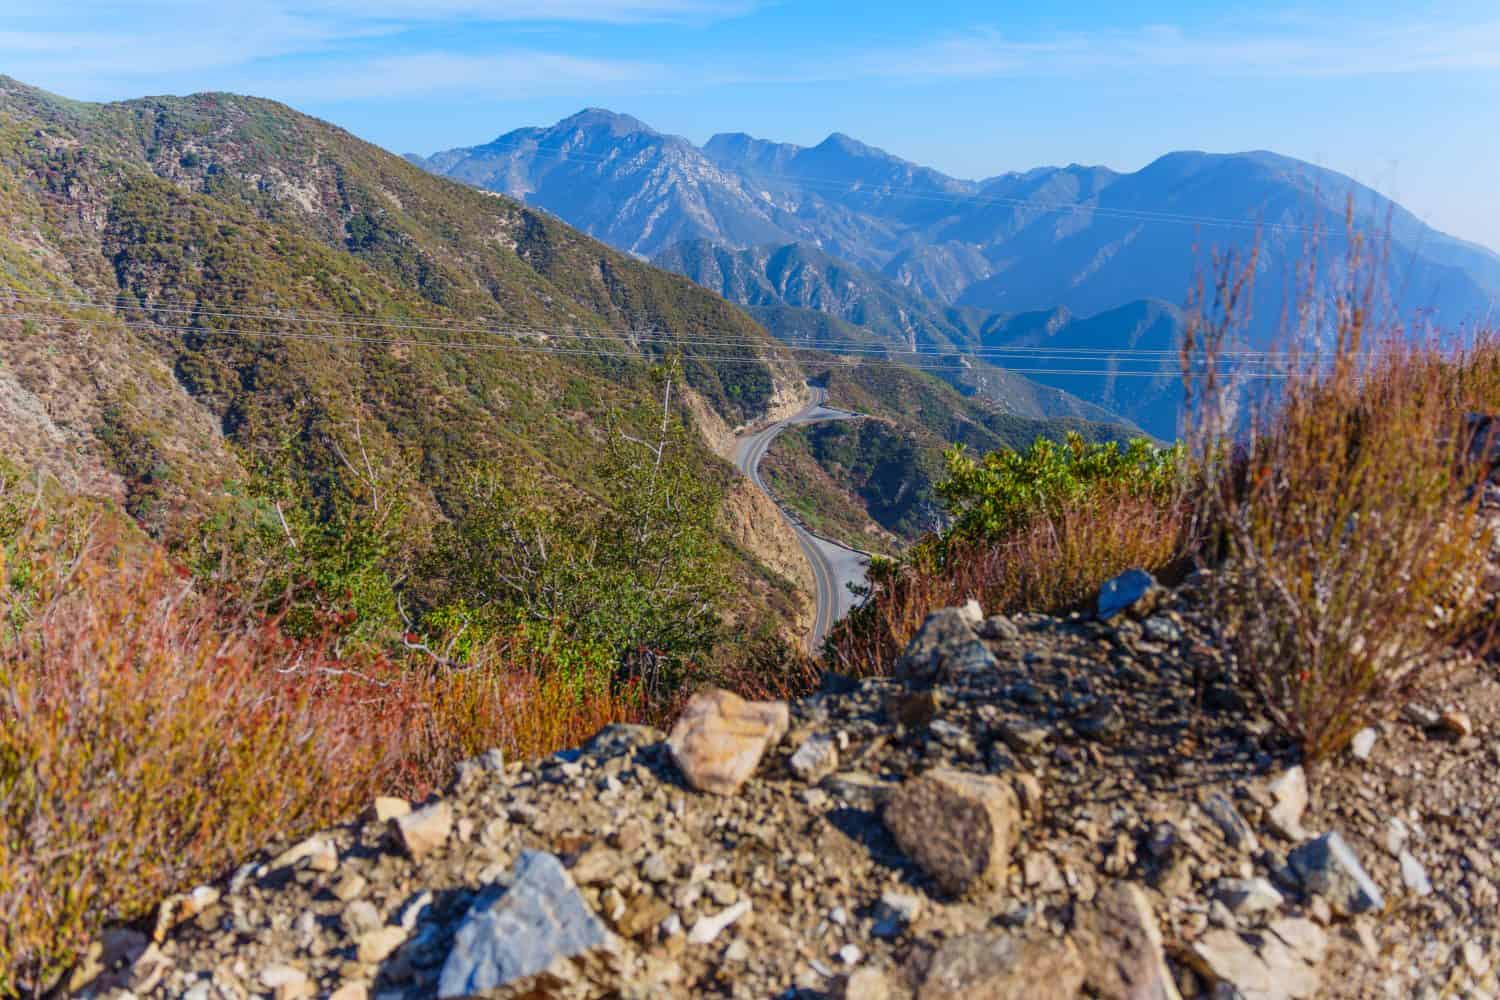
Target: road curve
833, 565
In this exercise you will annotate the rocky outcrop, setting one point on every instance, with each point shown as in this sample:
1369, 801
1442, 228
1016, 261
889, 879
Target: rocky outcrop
957, 833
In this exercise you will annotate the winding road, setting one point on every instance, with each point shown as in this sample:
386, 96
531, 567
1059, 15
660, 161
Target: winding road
833, 565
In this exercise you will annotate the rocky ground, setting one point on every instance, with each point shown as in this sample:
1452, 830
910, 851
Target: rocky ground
1035, 807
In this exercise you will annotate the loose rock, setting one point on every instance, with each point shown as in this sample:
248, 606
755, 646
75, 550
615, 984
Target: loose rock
720, 738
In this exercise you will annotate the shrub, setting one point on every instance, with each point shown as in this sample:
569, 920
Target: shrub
1006, 488
150, 736
1053, 560
1344, 534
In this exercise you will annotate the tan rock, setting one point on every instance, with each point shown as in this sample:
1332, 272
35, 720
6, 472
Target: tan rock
959, 827
997, 965
720, 738
355, 989
418, 833
865, 984
1121, 947
377, 945
386, 808
1289, 795
319, 853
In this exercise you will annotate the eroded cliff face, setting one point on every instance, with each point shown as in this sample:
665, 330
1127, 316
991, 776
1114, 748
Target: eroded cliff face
752, 519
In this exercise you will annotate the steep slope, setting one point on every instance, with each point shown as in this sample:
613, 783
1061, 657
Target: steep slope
205, 284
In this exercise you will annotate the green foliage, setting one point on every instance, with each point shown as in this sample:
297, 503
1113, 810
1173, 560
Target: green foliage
630, 586
327, 559
1003, 490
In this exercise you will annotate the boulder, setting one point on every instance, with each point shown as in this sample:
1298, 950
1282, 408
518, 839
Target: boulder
537, 937
999, 965
1328, 867
1134, 592
419, 833
720, 738
958, 827
1121, 947
945, 647
1288, 792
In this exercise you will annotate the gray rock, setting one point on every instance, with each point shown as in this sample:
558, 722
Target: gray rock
621, 738
539, 933
1160, 628
1247, 895
1328, 867
1413, 875
1289, 792
815, 759
1362, 743
860, 790
945, 646
1231, 824
1133, 591
999, 627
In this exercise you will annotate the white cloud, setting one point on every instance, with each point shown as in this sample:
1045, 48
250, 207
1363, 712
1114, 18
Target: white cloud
504, 75
1305, 49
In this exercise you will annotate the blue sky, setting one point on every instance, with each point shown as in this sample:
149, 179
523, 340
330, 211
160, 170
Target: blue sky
1404, 97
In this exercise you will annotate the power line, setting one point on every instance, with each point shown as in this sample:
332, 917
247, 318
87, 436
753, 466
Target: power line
522, 348
651, 335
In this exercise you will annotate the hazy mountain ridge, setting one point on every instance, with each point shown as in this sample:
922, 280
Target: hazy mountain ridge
1085, 238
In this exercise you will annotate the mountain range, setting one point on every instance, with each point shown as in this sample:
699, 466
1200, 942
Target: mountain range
1100, 251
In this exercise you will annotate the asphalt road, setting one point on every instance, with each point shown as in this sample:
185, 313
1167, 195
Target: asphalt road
833, 565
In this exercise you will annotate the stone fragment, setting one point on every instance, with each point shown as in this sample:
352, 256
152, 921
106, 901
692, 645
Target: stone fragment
536, 937
348, 887
945, 647
860, 790
621, 738
1160, 628
319, 852
1456, 723
1024, 735
1420, 715
894, 913
971, 613
1413, 875
285, 982
865, 984
999, 965
1362, 743
1121, 947
1288, 792
720, 738
478, 768
815, 759
999, 627
1303, 936
710, 927
597, 864
419, 833
354, 989
643, 912
1247, 895
1231, 824
957, 826
1134, 591
386, 808
377, 945
1328, 867
1223, 957
1028, 794
913, 709
1103, 721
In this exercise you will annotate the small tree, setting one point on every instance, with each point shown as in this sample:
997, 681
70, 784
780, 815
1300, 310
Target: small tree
632, 581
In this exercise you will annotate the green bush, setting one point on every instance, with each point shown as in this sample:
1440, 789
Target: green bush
994, 495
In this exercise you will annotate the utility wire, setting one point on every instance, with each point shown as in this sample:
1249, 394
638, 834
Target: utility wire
648, 335
523, 348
